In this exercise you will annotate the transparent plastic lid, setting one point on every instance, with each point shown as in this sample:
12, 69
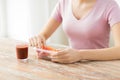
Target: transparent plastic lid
52, 48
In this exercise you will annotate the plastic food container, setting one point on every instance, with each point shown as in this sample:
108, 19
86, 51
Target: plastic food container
49, 49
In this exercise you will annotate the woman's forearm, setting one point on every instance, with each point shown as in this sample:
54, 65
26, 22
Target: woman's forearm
50, 28
101, 54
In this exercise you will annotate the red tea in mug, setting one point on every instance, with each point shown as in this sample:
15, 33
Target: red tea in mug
22, 51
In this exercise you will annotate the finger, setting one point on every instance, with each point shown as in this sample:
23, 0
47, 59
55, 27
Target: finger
31, 42
35, 41
60, 53
60, 60
59, 57
40, 42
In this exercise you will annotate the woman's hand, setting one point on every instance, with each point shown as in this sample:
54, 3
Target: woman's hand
42, 55
66, 56
37, 41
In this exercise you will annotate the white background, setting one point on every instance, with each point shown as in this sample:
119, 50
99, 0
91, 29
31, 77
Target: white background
21, 19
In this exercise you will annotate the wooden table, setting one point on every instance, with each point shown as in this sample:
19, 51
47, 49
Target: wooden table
38, 69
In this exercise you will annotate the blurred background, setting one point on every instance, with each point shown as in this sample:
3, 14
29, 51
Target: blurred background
22, 19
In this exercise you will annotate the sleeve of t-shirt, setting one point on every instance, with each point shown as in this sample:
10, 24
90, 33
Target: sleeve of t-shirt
56, 14
114, 14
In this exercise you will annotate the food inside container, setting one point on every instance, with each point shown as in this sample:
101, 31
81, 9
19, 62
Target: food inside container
48, 49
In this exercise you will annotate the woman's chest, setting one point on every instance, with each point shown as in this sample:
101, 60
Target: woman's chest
89, 28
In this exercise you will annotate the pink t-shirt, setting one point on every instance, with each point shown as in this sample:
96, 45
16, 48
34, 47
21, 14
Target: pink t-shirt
91, 31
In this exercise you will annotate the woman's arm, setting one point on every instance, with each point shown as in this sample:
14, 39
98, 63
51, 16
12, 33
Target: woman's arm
49, 28
72, 55
107, 53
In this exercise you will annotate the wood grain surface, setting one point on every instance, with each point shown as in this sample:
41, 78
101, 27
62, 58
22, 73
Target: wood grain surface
38, 69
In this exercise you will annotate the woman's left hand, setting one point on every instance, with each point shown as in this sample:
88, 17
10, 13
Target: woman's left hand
66, 56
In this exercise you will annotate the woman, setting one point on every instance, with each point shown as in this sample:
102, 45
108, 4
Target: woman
87, 24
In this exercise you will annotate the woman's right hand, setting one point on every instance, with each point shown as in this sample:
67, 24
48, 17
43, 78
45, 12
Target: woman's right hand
37, 41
